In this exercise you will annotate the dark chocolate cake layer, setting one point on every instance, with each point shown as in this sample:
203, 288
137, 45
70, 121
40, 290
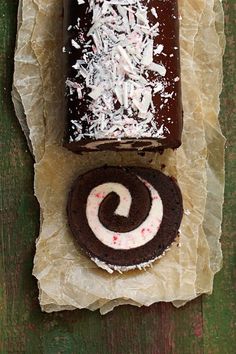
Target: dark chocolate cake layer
122, 63
124, 217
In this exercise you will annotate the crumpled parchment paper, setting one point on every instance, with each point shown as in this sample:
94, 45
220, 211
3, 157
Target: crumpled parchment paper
66, 278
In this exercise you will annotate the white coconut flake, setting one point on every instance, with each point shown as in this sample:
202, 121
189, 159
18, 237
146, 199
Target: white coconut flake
159, 87
154, 12
148, 53
158, 49
96, 92
160, 69
125, 90
75, 44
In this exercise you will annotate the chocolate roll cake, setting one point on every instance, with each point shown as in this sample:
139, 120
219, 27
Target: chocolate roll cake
124, 217
122, 63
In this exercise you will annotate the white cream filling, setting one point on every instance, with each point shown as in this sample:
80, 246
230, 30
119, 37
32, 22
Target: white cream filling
123, 144
126, 240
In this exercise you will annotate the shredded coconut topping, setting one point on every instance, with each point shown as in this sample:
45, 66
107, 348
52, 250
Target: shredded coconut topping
118, 67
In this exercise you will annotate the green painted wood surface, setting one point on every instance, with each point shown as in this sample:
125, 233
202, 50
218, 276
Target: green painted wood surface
206, 325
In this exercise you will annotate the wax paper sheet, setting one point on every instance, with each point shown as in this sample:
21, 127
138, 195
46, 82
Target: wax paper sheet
66, 278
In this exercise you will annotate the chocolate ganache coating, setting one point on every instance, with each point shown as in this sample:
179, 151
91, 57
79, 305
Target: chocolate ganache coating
122, 74
124, 217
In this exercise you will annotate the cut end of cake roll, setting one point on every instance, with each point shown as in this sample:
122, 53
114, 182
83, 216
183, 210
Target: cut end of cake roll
122, 75
124, 218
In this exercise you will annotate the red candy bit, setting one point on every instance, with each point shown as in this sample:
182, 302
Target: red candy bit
147, 230
115, 238
143, 232
156, 197
99, 195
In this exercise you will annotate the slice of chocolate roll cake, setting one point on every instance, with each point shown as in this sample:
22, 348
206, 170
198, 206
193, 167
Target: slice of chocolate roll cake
124, 218
122, 63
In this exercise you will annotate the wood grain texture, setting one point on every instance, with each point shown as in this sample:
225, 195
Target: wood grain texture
219, 310
204, 326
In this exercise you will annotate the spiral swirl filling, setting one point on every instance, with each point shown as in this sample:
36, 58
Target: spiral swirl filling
111, 214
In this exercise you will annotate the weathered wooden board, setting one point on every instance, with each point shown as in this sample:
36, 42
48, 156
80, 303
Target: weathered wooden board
219, 310
206, 325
